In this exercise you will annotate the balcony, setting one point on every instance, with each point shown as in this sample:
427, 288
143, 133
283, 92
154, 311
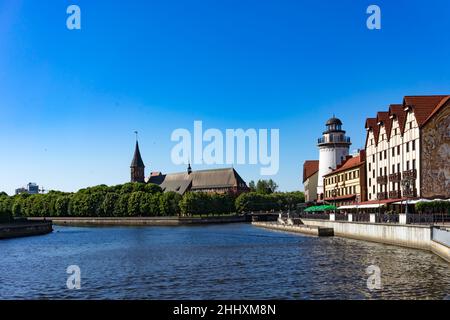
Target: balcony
395, 194
382, 195
382, 180
333, 139
395, 177
410, 193
410, 174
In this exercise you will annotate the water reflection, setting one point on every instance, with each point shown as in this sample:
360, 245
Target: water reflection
214, 262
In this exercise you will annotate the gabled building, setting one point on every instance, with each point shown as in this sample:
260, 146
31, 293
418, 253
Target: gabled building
407, 150
310, 179
225, 180
347, 184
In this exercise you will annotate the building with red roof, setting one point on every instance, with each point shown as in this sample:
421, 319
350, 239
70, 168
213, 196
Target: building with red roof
310, 179
408, 148
346, 184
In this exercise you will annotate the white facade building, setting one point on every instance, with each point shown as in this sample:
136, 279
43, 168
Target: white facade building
393, 148
333, 149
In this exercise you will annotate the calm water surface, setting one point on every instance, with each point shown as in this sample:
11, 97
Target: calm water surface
234, 261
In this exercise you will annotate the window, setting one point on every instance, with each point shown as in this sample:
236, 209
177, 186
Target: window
373, 189
381, 172
414, 144
395, 131
398, 167
373, 158
410, 125
393, 168
373, 173
407, 165
414, 164
407, 146
370, 182
385, 171
393, 151
370, 167
381, 156
398, 150
385, 153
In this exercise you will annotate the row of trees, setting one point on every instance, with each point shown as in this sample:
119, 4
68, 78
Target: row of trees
263, 186
131, 199
433, 207
140, 200
254, 201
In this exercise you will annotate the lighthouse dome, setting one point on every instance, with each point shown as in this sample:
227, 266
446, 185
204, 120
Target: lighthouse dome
334, 121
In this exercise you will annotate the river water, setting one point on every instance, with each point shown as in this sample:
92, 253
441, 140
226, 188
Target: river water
233, 261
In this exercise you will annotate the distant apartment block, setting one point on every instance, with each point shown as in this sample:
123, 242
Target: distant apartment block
31, 188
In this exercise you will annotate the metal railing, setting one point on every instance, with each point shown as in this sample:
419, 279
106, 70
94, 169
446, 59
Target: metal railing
332, 139
410, 174
412, 218
396, 194
321, 216
382, 179
395, 177
428, 218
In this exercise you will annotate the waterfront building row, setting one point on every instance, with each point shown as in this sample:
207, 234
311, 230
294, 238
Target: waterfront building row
406, 156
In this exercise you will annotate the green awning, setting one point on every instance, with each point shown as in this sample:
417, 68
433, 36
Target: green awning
321, 208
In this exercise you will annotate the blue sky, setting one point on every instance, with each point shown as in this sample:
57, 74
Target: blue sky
70, 100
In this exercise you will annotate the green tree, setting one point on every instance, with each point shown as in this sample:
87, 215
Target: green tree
152, 188
170, 204
62, 206
109, 204
266, 186
252, 186
134, 203
121, 207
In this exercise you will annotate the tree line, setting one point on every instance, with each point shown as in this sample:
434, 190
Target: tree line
140, 200
440, 206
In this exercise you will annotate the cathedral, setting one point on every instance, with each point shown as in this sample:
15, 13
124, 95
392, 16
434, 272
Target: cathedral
224, 180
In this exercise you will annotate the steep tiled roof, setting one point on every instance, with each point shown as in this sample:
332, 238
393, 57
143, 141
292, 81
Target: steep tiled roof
443, 103
371, 123
198, 180
310, 167
350, 163
397, 111
423, 106
137, 159
383, 117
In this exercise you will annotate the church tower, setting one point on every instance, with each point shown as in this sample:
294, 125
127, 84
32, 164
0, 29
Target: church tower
137, 165
333, 149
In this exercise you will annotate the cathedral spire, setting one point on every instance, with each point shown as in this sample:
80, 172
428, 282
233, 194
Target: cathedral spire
137, 165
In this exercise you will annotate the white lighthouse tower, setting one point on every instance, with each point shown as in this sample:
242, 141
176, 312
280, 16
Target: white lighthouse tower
333, 149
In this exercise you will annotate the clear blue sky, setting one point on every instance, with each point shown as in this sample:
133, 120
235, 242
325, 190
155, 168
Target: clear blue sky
70, 100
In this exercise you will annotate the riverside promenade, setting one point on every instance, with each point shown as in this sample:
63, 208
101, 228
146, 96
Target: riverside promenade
424, 237
143, 221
